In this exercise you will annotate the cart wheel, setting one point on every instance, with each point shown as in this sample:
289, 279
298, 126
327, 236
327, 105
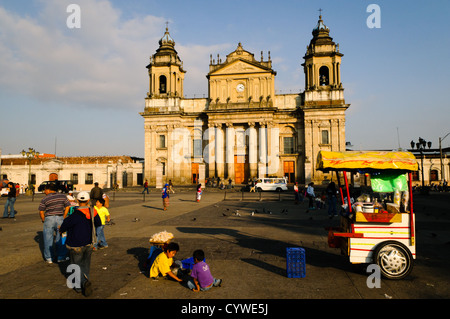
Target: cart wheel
394, 259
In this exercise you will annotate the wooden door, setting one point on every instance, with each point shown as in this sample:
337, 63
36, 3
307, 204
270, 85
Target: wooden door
289, 171
240, 169
194, 174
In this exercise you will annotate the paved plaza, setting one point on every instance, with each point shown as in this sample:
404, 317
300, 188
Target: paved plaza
248, 251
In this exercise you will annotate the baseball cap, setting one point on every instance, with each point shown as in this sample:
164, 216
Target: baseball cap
83, 196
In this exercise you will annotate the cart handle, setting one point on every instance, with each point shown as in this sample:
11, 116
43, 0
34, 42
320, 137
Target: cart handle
411, 213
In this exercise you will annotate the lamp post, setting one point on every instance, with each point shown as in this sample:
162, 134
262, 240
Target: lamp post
30, 154
420, 147
442, 164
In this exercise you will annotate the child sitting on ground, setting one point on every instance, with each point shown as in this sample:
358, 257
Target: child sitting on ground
201, 275
164, 264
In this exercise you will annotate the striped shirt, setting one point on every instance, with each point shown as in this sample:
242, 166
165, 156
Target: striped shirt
54, 204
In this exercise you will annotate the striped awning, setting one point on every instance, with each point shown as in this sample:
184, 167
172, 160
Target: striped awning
366, 160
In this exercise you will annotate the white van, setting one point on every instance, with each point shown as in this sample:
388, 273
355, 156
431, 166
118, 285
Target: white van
271, 184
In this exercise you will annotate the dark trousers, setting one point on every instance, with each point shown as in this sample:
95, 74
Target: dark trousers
81, 256
311, 201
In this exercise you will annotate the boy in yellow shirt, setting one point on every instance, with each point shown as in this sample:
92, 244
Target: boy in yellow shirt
103, 213
164, 262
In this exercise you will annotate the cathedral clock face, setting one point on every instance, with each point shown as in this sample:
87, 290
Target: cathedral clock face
240, 87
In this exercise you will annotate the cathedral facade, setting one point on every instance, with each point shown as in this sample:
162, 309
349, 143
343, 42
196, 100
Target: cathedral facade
243, 130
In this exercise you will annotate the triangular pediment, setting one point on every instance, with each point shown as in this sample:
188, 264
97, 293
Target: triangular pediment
53, 163
239, 66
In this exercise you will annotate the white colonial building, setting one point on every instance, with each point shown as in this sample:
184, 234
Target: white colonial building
125, 171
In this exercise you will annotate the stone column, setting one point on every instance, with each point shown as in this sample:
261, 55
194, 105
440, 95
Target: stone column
230, 150
210, 150
273, 135
308, 150
219, 151
201, 174
169, 163
148, 152
252, 150
262, 166
119, 172
159, 176
180, 142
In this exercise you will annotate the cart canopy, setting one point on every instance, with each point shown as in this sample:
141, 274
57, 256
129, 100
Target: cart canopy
366, 161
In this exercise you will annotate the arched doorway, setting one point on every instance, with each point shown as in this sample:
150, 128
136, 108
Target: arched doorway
53, 177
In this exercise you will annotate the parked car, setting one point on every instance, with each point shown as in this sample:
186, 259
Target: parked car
62, 186
277, 184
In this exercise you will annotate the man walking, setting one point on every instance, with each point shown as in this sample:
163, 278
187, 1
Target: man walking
52, 209
145, 187
96, 194
80, 234
10, 201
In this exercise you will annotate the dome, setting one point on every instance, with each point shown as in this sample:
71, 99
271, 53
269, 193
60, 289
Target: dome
320, 26
166, 39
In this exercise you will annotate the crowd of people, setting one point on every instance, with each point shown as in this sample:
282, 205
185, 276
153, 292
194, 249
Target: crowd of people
74, 227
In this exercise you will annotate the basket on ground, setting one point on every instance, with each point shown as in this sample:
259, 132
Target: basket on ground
295, 262
188, 263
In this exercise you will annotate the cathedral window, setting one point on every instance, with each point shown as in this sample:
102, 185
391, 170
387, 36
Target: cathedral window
324, 77
162, 84
325, 137
197, 148
162, 141
288, 143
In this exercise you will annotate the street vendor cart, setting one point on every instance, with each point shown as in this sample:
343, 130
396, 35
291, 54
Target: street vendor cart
380, 227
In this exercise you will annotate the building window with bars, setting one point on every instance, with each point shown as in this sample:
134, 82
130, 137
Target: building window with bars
89, 178
288, 145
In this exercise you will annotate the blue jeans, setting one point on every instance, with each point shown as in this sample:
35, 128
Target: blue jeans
101, 240
51, 226
9, 203
191, 285
332, 200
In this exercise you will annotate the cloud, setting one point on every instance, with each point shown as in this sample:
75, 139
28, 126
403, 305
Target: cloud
100, 65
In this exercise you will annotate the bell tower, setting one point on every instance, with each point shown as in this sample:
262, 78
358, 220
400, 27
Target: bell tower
166, 70
323, 100
322, 69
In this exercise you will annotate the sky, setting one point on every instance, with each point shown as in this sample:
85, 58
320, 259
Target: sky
78, 91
